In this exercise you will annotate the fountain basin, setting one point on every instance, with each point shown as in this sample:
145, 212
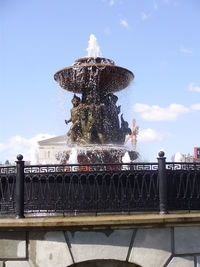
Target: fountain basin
96, 154
99, 73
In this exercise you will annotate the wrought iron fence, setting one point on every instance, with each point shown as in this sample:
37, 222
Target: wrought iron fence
99, 188
183, 181
97, 191
7, 189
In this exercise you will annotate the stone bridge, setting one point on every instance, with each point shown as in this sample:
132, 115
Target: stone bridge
140, 240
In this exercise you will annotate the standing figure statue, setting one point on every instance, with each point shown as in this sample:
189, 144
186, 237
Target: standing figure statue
94, 121
134, 133
75, 132
124, 130
111, 119
115, 111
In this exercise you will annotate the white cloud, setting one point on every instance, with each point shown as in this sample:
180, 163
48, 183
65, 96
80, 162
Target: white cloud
20, 145
145, 16
124, 23
185, 50
194, 88
149, 135
157, 113
196, 107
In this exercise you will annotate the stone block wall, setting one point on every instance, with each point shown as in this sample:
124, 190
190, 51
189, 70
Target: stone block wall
146, 247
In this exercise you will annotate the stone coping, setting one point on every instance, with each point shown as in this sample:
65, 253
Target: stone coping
101, 221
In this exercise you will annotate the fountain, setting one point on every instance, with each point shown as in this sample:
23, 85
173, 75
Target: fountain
96, 134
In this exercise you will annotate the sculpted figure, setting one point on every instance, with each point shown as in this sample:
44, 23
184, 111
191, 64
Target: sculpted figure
75, 130
124, 130
115, 110
112, 119
100, 109
83, 120
94, 121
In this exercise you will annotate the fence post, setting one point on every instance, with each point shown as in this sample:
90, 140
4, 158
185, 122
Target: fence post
20, 187
162, 181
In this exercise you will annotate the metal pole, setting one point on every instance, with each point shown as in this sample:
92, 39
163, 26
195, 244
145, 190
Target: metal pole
162, 181
20, 187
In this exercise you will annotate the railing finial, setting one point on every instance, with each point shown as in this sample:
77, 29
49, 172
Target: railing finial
161, 153
19, 157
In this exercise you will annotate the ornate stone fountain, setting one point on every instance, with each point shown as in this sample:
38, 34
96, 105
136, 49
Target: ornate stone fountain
96, 131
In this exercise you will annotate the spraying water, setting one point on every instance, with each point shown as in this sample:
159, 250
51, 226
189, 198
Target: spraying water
93, 47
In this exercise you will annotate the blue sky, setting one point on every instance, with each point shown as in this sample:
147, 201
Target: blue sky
159, 40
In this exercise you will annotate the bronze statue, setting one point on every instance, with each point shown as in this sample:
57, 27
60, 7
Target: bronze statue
97, 122
75, 131
94, 121
124, 130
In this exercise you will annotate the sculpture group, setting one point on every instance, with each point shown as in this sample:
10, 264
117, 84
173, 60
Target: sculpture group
96, 120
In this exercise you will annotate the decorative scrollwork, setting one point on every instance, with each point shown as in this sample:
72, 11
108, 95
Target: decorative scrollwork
183, 166
90, 168
7, 170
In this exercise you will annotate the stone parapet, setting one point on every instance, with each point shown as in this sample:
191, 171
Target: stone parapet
101, 221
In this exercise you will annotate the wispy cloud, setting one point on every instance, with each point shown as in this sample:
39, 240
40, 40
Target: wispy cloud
124, 23
155, 5
170, 113
20, 145
186, 50
111, 2
194, 88
145, 16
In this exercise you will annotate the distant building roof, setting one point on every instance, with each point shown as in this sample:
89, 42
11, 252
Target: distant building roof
58, 140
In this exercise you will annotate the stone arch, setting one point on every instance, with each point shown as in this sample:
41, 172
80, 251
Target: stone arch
104, 263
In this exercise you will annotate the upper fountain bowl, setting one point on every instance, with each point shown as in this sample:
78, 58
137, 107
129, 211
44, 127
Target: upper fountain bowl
89, 72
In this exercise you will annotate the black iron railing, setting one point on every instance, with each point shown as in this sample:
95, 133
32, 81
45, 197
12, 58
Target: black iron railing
99, 188
183, 186
7, 189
